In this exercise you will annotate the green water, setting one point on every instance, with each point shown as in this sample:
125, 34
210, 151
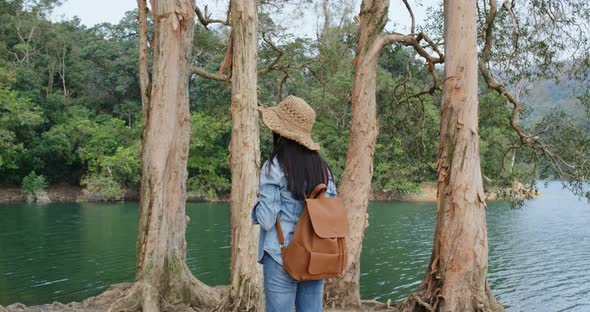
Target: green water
539, 254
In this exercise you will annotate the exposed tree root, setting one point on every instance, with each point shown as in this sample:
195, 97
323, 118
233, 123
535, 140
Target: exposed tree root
145, 297
201, 295
341, 294
417, 302
366, 306
121, 297
93, 304
141, 296
245, 298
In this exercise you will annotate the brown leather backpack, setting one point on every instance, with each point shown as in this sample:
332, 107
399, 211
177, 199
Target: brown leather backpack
318, 248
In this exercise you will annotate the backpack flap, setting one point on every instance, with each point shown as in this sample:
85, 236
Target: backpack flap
328, 217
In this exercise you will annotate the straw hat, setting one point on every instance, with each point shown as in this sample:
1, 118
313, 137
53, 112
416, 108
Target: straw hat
292, 118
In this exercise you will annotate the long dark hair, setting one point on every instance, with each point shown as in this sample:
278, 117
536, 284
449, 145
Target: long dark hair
303, 168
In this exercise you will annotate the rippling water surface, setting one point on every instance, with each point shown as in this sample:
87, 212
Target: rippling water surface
539, 254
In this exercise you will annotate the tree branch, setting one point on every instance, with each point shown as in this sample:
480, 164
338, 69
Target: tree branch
485, 53
283, 81
221, 77
409, 40
555, 161
413, 27
509, 8
205, 18
205, 74
272, 65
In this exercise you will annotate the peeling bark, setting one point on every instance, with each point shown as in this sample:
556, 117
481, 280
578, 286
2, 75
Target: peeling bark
162, 276
245, 291
456, 278
358, 172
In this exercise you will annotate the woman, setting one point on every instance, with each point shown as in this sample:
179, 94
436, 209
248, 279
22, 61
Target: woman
293, 169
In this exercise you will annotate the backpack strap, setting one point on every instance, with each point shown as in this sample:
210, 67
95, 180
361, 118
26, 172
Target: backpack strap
281, 238
318, 190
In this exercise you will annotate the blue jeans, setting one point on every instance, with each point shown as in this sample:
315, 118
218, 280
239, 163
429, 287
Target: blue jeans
282, 292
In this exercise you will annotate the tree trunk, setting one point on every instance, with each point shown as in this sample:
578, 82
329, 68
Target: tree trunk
326, 26
50, 78
246, 291
162, 276
62, 72
358, 172
456, 278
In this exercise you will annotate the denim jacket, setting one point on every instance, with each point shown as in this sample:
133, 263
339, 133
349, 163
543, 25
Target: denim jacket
275, 199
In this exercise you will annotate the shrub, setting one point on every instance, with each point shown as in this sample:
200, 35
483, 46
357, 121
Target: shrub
102, 188
33, 183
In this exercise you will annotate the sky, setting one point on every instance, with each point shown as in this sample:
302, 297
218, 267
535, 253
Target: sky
95, 12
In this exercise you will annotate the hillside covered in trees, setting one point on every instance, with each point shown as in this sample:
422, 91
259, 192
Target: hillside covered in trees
70, 105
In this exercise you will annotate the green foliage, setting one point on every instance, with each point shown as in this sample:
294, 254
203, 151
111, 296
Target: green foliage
333, 142
209, 96
101, 138
7, 73
572, 145
70, 105
498, 160
19, 118
102, 188
209, 175
83, 144
33, 183
10, 151
19, 114
55, 108
69, 95
405, 151
124, 165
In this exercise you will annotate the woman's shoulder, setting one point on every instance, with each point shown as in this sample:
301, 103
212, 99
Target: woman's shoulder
274, 163
272, 169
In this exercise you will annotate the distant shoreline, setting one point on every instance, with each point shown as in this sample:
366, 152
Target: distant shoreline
70, 193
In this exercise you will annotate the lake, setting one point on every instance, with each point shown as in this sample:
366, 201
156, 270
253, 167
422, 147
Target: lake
539, 254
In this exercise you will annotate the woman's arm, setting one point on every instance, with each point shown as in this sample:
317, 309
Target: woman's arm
267, 206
